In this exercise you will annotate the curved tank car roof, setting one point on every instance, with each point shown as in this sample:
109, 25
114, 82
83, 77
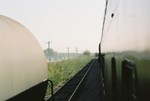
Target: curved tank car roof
22, 62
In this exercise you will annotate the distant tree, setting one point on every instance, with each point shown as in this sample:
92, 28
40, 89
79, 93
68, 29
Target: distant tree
87, 52
50, 52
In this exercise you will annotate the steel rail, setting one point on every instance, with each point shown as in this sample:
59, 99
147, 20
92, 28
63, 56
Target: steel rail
77, 88
74, 83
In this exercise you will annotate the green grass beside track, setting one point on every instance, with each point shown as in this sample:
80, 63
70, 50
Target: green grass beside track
61, 71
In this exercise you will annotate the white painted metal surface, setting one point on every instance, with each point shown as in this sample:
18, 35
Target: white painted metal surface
128, 28
22, 62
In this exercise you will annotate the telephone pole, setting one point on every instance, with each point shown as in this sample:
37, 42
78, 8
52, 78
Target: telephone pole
77, 51
49, 43
68, 52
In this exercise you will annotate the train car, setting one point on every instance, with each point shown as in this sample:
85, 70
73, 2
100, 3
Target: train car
125, 50
23, 67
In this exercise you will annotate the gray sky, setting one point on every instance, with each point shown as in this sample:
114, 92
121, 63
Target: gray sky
67, 23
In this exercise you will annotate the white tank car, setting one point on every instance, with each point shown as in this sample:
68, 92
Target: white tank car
22, 61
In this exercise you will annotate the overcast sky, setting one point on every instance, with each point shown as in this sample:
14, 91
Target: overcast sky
66, 23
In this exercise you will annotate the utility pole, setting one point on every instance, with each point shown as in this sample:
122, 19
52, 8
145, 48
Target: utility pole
68, 52
49, 49
77, 51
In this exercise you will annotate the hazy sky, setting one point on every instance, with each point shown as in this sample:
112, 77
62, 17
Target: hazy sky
67, 23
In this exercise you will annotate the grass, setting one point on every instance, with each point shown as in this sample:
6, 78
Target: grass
60, 72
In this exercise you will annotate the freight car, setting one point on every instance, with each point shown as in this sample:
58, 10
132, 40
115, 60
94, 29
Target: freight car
23, 68
125, 50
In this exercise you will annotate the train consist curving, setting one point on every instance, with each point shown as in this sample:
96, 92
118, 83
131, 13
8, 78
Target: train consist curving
23, 68
125, 50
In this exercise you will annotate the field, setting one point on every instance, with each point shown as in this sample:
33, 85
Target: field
61, 71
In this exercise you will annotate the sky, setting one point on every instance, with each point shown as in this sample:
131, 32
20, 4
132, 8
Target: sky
65, 23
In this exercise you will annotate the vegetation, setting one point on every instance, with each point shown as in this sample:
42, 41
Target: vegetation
54, 55
61, 71
87, 52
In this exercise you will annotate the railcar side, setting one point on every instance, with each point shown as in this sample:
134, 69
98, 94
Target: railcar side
125, 43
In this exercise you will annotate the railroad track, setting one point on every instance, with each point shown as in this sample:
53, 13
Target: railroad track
71, 89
